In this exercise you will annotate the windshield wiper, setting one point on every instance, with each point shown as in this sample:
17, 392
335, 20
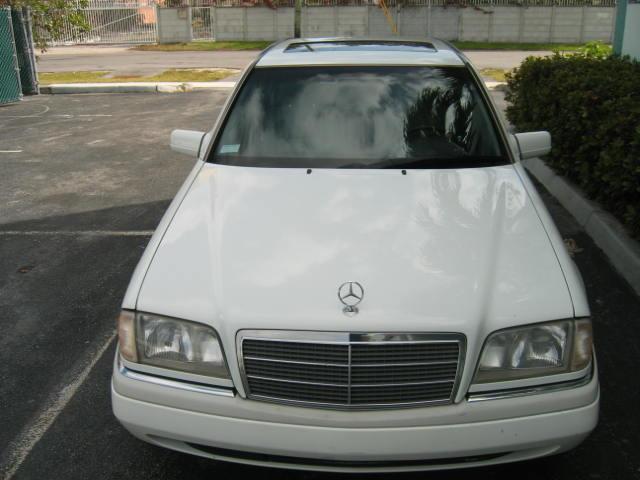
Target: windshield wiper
463, 161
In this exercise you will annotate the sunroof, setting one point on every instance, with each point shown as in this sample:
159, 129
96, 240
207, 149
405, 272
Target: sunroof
360, 46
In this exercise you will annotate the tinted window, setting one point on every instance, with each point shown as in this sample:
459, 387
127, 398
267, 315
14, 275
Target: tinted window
359, 117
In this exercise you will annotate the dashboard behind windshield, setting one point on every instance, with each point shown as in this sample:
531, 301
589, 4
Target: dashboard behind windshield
359, 117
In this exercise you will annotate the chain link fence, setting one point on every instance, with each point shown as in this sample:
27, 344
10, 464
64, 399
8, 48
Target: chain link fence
10, 88
18, 73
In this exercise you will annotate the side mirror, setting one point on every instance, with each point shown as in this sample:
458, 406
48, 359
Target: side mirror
533, 144
186, 141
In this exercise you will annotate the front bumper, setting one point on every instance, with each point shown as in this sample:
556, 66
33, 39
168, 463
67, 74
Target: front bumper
229, 427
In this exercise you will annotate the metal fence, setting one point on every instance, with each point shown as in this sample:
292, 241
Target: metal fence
112, 22
10, 88
202, 23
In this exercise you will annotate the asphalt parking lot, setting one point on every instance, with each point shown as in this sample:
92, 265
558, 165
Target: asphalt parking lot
84, 179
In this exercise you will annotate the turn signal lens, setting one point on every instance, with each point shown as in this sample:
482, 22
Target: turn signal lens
582, 345
127, 336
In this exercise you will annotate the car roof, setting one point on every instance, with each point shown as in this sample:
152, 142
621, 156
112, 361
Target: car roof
359, 51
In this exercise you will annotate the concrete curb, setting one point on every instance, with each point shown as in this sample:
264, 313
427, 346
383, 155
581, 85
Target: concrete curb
491, 85
623, 251
132, 87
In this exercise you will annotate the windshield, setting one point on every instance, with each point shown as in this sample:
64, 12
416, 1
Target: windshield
359, 117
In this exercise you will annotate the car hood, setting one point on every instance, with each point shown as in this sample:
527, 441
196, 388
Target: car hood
459, 250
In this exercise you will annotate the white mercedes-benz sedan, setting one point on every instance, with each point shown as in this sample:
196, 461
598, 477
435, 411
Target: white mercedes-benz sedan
358, 275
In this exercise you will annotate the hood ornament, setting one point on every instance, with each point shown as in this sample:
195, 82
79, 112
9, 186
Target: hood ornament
350, 294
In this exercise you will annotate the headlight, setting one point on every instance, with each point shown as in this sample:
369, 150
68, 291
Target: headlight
536, 350
170, 343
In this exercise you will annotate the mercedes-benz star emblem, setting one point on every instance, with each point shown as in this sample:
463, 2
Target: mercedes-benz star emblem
350, 294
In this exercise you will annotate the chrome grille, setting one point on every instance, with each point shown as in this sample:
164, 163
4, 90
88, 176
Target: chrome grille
343, 370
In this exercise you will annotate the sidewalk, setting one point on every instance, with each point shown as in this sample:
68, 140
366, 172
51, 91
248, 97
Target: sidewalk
123, 61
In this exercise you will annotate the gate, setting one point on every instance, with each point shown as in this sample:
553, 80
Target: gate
10, 89
202, 23
113, 22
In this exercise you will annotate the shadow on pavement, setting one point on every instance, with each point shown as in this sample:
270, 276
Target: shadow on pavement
59, 297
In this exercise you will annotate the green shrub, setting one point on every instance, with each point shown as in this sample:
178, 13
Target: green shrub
596, 49
591, 106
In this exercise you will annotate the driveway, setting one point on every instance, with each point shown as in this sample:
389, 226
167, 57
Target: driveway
85, 179
124, 61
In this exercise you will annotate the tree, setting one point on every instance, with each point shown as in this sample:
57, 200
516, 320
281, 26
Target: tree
48, 17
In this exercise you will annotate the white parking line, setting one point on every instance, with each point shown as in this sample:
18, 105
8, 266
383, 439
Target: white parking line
19, 448
57, 137
35, 115
72, 233
10, 151
68, 115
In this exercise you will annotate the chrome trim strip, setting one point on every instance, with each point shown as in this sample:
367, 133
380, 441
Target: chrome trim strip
359, 365
408, 364
356, 406
402, 384
324, 364
531, 382
349, 377
165, 382
521, 392
340, 341
177, 375
346, 385
347, 339
300, 382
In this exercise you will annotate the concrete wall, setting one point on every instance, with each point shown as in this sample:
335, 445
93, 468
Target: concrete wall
334, 21
536, 25
228, 23
598, 23
497, 24
174, 25
255, 23
444, 23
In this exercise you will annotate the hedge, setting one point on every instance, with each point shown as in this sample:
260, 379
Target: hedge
591, 107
